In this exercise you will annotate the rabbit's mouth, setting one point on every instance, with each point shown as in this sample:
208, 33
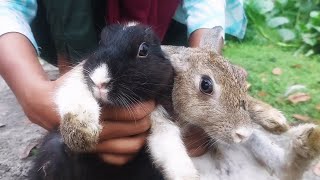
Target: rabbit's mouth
100, 94
231, 136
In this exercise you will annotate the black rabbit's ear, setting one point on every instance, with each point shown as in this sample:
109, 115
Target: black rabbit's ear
212, 40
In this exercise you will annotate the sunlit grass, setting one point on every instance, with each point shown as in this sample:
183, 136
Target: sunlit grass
260, 60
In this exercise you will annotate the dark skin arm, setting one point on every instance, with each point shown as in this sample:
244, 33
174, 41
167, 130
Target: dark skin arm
20, 68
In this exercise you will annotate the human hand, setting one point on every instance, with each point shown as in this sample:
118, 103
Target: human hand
124, 132
196, 141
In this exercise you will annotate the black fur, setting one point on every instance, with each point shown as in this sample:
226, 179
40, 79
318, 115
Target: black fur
134, 79
56, 162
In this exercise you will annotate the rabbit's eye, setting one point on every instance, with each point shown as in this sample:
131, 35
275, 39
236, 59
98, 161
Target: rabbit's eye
206, 85
143, 50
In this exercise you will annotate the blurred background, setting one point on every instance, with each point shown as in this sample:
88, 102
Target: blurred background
281, 52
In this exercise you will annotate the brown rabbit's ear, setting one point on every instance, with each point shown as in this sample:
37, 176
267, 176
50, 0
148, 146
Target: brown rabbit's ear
212, 40
176, 54
241, 74
170, 50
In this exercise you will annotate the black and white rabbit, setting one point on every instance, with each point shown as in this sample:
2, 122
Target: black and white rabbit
128, 67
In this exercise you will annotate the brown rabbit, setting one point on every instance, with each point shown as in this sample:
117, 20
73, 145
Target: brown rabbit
210, 92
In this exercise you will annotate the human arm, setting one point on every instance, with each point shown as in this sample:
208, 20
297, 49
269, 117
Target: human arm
230, 15
20, 67
121, 137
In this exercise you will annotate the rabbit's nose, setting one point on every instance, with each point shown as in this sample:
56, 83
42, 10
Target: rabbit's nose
241, 134
100, 77
102, 85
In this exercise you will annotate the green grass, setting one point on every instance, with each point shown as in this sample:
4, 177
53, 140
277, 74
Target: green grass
260, 60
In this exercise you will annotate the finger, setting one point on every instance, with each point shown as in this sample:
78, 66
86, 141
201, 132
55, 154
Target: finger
196, 141
195, 137
135, 112
117, 159
197, 151
116, 129
126, 145
197, 147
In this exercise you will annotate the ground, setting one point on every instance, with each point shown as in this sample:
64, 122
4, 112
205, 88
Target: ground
17, 134
294, 71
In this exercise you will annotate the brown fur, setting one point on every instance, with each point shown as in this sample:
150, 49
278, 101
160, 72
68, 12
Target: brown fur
220, 113
229, 107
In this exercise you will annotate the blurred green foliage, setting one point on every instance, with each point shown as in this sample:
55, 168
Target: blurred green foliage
259, 62
287, 23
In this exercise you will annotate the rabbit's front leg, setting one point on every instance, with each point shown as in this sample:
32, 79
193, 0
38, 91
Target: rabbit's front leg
267, 152
79, 112
267, 116
167, 149
303, 149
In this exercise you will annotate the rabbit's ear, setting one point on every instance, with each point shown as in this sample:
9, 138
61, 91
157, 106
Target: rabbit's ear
241, 74
177, 57
171, 50
212, 40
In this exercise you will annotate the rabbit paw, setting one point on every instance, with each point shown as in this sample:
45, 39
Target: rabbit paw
79, 112
270, 119
307, 140
80, 130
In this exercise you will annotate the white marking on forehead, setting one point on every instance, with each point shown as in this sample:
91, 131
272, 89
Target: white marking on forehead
100, 74
129, 24
132, 23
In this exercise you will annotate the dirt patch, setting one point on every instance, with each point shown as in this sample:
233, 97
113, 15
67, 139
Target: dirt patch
16, 133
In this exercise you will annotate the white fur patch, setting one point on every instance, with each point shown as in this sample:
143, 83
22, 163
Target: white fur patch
129, 24
263, 156
167, 148
74, 97
231, 163
132, 23
100, 75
